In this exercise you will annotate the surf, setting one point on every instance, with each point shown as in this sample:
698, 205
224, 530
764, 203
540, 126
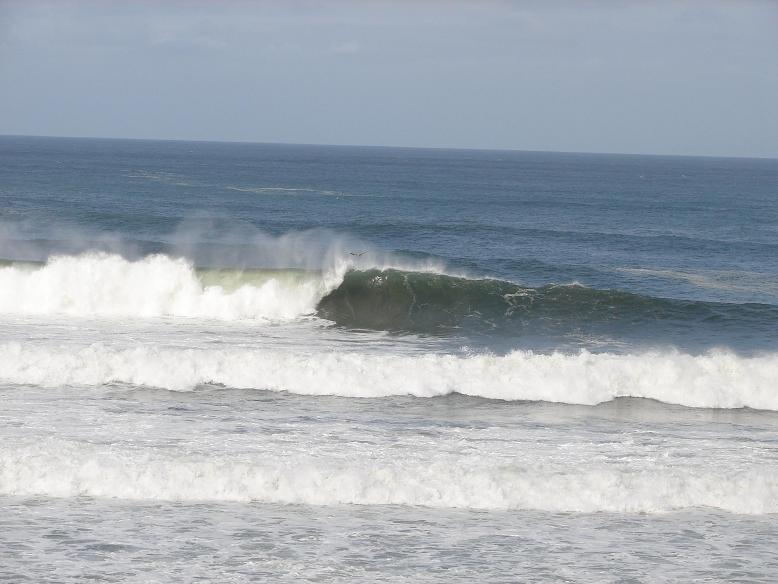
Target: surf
108, 285
54, 467
378, 293
718, 379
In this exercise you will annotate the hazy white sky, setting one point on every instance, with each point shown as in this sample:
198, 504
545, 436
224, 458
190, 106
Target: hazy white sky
675, 77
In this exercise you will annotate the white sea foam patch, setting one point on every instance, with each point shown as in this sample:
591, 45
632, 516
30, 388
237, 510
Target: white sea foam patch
69, 469
110, 286
713, 380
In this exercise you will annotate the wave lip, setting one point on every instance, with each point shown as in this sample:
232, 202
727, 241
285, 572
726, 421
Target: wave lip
712, 380
70, 469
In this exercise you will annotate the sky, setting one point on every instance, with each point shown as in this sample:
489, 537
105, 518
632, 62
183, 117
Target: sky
695, 77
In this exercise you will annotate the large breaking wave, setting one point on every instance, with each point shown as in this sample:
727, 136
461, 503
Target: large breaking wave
387, 297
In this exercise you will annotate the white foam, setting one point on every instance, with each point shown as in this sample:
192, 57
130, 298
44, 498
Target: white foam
59, 468
108, 285
713, 380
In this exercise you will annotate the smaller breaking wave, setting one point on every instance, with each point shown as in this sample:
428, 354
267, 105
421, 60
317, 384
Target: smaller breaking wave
61, 468
713, 380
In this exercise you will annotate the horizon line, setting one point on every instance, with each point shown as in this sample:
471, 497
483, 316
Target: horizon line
380, 146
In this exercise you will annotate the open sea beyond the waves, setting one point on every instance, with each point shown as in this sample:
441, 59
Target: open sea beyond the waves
281, 363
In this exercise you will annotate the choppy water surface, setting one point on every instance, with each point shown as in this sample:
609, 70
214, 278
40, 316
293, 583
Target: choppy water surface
235, 362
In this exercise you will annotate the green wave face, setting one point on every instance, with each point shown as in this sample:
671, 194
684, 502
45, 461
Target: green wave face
398, 301
395, 301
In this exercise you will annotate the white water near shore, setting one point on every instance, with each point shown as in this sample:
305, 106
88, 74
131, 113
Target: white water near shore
222, 445
714, 380
98, 329
423, 366
476, 479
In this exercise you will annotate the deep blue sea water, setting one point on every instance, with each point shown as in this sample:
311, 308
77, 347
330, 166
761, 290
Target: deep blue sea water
348, 363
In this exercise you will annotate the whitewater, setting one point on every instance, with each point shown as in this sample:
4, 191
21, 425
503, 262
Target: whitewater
231, 362
105, 285
109, 285
169, 303
717, 380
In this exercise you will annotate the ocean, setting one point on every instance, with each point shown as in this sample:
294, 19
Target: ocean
234, 362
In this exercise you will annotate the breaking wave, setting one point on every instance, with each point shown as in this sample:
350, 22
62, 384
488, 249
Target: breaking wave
382, 298
713, 380
108, 285
423, 302
62, 468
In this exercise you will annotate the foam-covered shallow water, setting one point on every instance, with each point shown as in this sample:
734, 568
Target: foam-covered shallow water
246, 362
715, 380
161, 542
218, 444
